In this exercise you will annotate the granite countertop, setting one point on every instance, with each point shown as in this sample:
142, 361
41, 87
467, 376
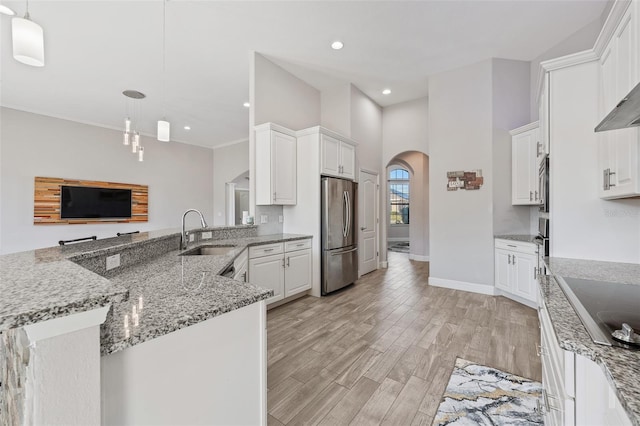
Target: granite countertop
179, 291
621, 366
523, 238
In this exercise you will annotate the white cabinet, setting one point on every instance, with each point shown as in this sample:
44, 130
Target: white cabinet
337, 158
286, 268
596, 401
576, 391
526, 148
618, 150
558, 378
516, 270
276, 165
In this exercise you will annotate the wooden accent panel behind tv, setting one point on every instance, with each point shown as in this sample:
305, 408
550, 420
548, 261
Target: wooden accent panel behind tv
46, 201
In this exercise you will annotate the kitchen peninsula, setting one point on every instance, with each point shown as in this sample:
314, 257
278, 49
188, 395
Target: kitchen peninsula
175, 335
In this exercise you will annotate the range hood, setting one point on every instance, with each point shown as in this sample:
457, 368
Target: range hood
625, 114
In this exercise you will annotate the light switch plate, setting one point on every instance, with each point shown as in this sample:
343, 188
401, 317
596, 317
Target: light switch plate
113, 261
192, 237
207, 235
264, 218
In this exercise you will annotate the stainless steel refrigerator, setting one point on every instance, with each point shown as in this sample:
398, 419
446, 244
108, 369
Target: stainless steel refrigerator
339, 243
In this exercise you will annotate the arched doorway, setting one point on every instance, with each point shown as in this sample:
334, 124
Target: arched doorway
407, 206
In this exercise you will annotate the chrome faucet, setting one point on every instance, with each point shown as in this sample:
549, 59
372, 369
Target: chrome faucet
183, 236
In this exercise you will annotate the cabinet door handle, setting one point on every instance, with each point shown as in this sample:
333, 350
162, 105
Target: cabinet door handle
288, 261
244, 276
536, 195
530, 196
535, 273
274, 196
509, 259
283, 262
513, 261
606, 178
538, 146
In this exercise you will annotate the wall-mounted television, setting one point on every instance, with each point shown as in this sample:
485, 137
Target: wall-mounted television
84, 202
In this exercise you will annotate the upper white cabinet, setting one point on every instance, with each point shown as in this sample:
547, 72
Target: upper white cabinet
618, 150
276, 165
526, 148
337, 157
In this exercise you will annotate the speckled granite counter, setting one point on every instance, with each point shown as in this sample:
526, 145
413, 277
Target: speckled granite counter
179, 291
621, 366
176, 291
523, 238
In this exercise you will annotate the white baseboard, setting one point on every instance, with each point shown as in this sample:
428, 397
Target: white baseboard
384, 264
418, 257
462, 285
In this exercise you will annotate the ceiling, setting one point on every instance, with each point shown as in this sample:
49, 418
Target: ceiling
96, 49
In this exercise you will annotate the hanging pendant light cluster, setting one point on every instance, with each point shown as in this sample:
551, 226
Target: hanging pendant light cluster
27, 38
131, 136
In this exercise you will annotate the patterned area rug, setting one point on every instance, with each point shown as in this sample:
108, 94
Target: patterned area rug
479, 395
401, 247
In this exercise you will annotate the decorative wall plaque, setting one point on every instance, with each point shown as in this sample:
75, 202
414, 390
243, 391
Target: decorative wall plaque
470, 180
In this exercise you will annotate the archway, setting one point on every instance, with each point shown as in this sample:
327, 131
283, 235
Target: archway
407, 207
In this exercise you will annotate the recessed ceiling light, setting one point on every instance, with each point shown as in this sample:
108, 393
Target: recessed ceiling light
6, 11
187, 127
246, 104
337, 45
386, 91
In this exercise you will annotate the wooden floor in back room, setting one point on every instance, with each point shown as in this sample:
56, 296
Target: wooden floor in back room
382, 350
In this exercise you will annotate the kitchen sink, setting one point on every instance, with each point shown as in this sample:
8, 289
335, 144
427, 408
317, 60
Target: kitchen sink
208, 251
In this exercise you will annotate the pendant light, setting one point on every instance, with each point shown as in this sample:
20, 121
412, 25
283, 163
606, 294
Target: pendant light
131, 134
164, 127
28, 40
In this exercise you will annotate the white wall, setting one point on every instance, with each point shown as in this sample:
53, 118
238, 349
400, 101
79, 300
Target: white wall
581, 40
583, 225
179, 176
335, 109
404, 128
280, 97
228, 162
460, 138
510, 98
366, 130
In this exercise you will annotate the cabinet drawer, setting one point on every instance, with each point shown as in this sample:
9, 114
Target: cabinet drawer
297, 245
265, 250
530, 248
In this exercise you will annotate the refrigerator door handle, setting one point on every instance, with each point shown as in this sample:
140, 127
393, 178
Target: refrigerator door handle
344, 214
348, 214
340, 253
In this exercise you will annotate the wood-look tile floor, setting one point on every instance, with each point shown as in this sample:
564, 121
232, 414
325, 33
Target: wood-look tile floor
381, 351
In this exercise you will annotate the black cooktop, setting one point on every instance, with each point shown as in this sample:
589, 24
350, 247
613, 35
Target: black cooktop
604, 306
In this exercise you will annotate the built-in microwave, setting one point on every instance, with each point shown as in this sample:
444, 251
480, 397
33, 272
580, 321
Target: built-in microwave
543, 180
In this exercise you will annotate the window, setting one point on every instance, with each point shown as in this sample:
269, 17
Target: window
399, 197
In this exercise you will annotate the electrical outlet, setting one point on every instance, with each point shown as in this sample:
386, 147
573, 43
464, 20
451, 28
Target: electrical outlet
113, 261
192, 237
281, 218
264, 218
207, 235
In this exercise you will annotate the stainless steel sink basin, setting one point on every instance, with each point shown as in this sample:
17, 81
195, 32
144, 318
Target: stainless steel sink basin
208, 251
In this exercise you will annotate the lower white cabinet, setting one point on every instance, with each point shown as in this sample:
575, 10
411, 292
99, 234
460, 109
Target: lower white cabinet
240, 264
516, 269
283, 267
576, 391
